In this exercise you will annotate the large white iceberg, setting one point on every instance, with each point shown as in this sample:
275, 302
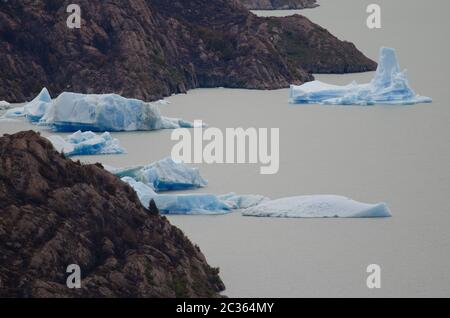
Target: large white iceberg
86, 143
165, 175
389, 86
192, 204
106, 112
318, 206
71, 112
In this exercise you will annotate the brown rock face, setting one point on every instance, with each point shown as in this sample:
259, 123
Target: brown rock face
152, 48
278, 4
55, 212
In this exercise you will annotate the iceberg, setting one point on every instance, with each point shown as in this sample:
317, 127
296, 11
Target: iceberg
163, 102
192, 204
33, 110
106, 112
243, 201
144, 192
86, 143
188, 204
37, 108
318, 206
4, 103
389, 87
15, 112
165, 175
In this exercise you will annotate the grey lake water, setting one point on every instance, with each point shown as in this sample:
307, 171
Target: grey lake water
394, 154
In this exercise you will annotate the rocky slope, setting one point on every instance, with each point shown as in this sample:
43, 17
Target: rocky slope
278, 4
154, 48
55, 212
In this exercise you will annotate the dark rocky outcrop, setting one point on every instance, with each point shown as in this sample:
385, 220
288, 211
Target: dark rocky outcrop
55, 212
152, 48
278, 4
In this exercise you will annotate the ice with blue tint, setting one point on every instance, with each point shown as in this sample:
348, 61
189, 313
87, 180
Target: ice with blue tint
165, 175
192, 204
179, 203
33, 110
318, 206
238, 201
15, 112
144, 192
389, 87
37, 108
107, 112
86, 143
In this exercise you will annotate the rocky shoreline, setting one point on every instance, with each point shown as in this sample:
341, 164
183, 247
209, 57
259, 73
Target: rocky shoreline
56, 212
279, 4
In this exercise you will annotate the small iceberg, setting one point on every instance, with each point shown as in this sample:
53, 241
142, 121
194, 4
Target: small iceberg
106, 112
4, 103
33, 110
389, 87
86, 143
37, 108
187, 204
15, 112
243, 201
318, 206
165, 175
192, 204
145, 193
163, 102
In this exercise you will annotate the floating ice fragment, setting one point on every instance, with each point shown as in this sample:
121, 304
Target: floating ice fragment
86, 143
37, 108
179, 203
318, 206
243, 201
162, 102
165, 175
192, 204
15, 112
145, 193
389, 86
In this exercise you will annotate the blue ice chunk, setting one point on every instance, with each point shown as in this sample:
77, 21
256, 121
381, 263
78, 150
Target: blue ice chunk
238, 201
86, 143
389, 86
318, 206
106, 112
165, 175
37, 108
188, 204
144, 192
191, 204
15, 112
